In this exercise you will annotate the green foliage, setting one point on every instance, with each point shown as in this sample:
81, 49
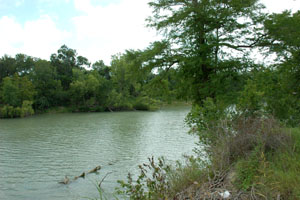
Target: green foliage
102, 69
10, 92
248, 169
7, 112
64, 62
143, 103
283, 31
204, 119
271, 174
269, 92
251, 100
14, 112
151, 183
66, 81
197, 34
17, 89
282, 174
262, 156
49, 89
161, 181
26, 109
146, 103
183, 175
77, 91
118, 102
7, 67
234, 99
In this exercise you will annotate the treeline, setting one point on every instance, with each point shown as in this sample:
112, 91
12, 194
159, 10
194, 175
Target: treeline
205, 53
30, 85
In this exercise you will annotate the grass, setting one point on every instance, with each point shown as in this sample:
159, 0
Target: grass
283, 171
185, 175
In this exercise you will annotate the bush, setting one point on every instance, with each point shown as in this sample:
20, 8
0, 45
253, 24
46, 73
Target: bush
10, 112
246, 144
27, 109
152, 182
142, 103
17, 112
141, 106
204, 121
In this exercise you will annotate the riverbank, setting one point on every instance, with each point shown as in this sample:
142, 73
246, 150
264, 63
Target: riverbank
266, 171
261, 160
139, 107
141, 104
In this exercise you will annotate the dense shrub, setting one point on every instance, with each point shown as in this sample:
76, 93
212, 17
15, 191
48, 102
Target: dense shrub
27, 109
14, 112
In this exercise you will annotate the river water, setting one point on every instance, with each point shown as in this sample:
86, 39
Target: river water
37, 152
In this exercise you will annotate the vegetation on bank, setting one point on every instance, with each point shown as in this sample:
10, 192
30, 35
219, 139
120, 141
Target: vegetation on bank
245, 114
257, 159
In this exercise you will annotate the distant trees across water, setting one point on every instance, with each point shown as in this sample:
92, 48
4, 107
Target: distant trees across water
30, 85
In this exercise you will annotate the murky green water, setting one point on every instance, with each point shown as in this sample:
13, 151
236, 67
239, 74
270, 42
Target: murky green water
37, 152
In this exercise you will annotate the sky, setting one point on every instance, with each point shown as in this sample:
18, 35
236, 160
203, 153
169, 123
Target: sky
96, 29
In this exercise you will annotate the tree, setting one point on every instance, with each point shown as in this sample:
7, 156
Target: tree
283, 32
200, 35
17, 89
120, 72
102, 69
7, 67
77, 92
48, 89
65, 61
10, 92
283, 39
24, 64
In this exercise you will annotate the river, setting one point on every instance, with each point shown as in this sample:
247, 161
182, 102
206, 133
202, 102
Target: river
37, 152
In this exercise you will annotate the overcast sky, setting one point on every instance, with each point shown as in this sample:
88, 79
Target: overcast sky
96, 29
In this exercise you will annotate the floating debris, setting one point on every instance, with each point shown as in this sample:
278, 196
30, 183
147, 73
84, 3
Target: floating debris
80, 176
95, 169
65, 181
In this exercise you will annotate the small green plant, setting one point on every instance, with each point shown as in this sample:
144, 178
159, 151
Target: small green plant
152, 182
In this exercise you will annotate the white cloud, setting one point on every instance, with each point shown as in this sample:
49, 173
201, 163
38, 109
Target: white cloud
83, 5
279, 6
38, 38
106, 30
97, 33
10, 35
19, 3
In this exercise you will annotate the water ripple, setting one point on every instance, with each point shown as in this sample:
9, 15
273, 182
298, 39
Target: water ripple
37, 152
